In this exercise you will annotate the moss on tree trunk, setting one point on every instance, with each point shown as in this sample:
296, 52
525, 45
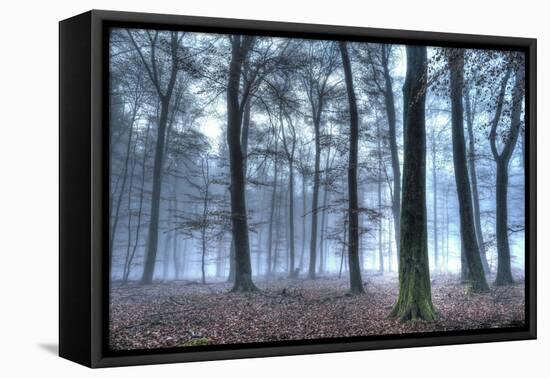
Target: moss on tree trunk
415, 299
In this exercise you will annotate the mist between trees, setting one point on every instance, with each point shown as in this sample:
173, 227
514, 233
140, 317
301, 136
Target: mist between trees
246, 159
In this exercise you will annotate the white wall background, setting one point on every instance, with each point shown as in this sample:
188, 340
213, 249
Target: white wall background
29, 186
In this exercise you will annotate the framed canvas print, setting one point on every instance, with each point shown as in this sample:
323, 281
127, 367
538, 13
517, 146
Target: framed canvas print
234, 188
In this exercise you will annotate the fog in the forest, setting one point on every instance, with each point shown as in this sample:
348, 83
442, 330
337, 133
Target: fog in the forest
287, 87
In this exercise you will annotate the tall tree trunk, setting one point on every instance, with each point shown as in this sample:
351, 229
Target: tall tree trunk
203, 256
152, 240
291, 218
244, 135
315, 200
379, 192
140, 208
272, 211
321, 268
504, 267
231, 259
324, 215
388, 246
206, 177
166, 257
434, 189
468, 238
244, 146
415, 297
356, 284
277, 232
285, 231
130, 217
259, 243
473, 181
231, 275
464, 270
175, 255
220, 257
243, 270
183, 258
390, 112
123, 188
343, 249
304, 218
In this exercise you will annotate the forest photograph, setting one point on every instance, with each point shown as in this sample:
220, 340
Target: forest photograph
278, 189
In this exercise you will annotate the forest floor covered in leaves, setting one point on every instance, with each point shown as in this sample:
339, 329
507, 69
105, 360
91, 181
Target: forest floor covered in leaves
184, 313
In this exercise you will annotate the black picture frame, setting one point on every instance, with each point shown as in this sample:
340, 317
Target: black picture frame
83, 204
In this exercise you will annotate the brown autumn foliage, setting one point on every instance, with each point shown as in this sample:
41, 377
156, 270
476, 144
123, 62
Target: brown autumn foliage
186, 313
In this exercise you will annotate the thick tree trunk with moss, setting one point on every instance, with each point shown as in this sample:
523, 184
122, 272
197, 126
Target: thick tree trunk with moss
243, 269
356, 284
415, 296
476, 277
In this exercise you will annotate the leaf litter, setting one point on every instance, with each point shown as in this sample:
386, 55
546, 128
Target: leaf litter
186, 313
